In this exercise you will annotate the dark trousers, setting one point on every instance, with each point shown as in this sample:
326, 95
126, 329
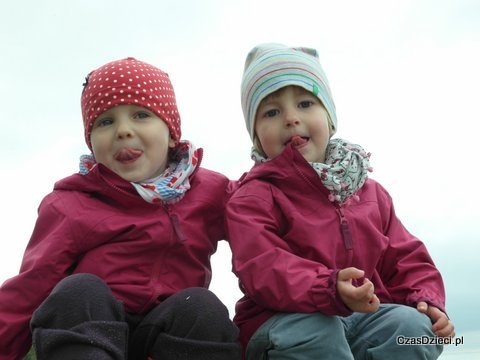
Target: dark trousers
81, 319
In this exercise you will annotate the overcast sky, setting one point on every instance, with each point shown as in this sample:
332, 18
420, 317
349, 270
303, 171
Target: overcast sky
404, 76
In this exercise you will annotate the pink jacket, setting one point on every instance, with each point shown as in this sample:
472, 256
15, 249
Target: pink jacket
289, 242
98, 224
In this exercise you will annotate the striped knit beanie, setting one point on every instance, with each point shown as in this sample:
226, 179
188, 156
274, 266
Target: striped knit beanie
270, 67
129, 81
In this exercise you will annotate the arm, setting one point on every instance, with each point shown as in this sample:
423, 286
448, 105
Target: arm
271, 273
407, 268
45, 262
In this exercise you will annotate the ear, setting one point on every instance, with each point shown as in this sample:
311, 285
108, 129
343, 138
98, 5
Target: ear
171, 143
331, 128
331, 131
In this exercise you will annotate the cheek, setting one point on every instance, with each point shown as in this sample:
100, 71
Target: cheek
322, 129
269, 145
265, 133
98, 147
268, 142
261, 140
95, 145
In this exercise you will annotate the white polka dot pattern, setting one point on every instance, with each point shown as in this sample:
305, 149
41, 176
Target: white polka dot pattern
129, 81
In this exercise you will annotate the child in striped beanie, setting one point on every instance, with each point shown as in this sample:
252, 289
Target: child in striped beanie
326, 267
272, 69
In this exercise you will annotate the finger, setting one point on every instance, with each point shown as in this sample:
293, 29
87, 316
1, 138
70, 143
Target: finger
440, 323
371, 286
369, 290
447, 331
374, 303
350, 273
364, 292
367, 281
369, 306
436, 314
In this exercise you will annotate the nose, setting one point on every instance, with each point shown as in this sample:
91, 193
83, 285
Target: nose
124, 129
291, 118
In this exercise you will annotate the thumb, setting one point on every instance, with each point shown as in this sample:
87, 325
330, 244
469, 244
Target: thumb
422, 306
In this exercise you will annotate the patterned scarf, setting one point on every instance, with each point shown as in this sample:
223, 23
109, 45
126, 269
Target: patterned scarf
170, 186
344, 171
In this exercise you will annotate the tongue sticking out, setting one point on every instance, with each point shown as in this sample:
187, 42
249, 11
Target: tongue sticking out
128, 154
297, 140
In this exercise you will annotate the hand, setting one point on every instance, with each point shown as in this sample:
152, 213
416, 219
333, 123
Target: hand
441, 325
361, 298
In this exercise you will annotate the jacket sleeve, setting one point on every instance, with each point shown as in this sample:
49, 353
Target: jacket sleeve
45, 262
270, 272
407, 269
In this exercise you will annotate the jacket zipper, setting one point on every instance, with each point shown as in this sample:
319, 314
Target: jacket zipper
171, 215
345, 228
174, 217
176, 223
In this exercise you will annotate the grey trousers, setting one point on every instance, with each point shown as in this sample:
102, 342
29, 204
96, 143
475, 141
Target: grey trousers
359, 336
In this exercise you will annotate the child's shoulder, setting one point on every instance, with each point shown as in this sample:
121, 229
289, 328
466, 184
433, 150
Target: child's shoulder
374, 188
204, 177
205, 173
87, 193
68, 192
255, 187
91, 182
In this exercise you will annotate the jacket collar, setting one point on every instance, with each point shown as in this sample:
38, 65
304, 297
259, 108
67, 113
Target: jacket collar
288, 171
104, 183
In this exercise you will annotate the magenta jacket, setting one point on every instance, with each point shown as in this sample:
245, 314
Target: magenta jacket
289, 242
98, 224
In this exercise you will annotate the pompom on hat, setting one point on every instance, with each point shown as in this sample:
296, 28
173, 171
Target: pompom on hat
270, 67
129, 81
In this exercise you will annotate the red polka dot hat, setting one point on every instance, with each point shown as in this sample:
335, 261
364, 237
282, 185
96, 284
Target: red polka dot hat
129, 81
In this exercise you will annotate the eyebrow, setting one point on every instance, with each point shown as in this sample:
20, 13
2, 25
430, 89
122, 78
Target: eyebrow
270, 98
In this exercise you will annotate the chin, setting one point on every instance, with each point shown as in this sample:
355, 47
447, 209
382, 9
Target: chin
312, 158
131, 177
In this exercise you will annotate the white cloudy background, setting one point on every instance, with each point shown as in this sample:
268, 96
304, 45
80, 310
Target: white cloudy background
404, 74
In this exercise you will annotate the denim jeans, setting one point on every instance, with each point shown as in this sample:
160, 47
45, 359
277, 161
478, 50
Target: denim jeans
359, 336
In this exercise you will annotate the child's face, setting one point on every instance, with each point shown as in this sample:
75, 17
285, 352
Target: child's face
131, 141
289, 112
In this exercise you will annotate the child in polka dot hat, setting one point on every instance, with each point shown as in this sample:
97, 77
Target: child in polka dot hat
345, 278
133, 86
127, 241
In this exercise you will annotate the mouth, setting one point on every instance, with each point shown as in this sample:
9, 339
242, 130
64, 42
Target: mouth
127, 155
297, 140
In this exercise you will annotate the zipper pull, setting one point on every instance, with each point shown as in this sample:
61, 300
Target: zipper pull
347, 235
176, 224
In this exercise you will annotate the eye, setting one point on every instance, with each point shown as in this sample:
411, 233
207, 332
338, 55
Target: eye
271, 113
142, 115
103, 122
305, 104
